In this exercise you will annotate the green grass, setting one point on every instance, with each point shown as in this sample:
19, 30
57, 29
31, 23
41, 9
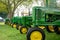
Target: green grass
9, 33
1, 23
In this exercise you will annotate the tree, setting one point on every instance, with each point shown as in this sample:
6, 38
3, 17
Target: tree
3, 11
2, 8
3, 14
11, 5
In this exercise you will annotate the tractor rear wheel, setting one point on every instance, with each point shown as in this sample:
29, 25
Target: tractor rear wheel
35, 34
57, 29
50, 28
23, 30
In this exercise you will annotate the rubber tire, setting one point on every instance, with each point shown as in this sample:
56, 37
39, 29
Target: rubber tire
12, 25
9, 24
35, 29
17, 27
56, 30
47, 28
21, 29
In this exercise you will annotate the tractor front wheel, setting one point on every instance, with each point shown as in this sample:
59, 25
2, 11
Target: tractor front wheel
35, 34
14, 25
57, 29
23, 30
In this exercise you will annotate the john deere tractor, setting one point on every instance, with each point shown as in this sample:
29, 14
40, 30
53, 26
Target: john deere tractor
43, 16
26, 23
19, 23
14, 21
7, 21
48, 17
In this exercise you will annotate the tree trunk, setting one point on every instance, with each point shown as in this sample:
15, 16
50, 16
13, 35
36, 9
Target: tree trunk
10, 14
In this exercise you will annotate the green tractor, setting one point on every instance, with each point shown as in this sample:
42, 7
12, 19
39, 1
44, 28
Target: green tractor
26, 23
48, 16
43, 16
19, 23
14, 22
7, 21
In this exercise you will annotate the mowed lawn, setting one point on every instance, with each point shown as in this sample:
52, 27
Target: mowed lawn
9, 33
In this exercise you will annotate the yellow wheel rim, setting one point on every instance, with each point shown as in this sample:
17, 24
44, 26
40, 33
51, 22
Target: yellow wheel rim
24, 30
51, 28
36, 35
59, 28
42, 27
19, 27
14, 26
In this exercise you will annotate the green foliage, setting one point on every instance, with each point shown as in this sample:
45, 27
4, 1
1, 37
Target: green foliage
11, 5
3, 14
2, 7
